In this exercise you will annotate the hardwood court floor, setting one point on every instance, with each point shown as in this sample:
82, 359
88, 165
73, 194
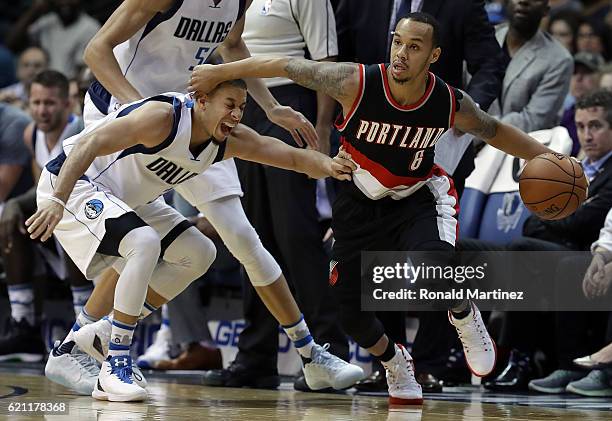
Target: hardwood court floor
178, 401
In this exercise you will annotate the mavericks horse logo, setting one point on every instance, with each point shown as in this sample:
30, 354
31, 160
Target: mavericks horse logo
93, 208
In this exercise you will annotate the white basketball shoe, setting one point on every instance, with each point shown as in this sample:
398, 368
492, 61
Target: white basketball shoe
94, 338
158, 351
72, 368
326, 370
479, 349
116, 382
403, 387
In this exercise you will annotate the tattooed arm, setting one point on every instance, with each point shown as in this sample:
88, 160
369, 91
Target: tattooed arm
338, 80
469, 118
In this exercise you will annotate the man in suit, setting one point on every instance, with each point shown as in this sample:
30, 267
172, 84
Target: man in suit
539, 69
364, 35
576, 232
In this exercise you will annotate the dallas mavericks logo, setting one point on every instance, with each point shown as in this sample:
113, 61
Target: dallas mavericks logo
93, 208
509, 214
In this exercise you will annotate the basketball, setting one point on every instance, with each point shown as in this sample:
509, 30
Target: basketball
553, 186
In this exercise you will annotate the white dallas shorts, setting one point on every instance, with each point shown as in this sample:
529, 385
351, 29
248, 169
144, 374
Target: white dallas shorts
218, 181
83, 225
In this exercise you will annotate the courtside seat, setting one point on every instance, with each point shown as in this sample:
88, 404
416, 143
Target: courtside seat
502, 213
477, 187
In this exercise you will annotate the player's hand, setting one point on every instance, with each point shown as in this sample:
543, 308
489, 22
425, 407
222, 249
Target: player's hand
342, 166
204, 78
598, 276
11, 221
44, 221
295, 123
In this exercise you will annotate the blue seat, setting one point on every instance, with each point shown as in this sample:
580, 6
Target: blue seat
491, 207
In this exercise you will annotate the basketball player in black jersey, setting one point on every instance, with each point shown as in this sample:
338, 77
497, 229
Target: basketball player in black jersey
393, 114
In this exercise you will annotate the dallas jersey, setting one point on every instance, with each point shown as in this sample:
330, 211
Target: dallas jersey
393, 145
139, 175
161, 55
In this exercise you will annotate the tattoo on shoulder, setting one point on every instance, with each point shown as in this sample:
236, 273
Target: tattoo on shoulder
477, 122
326, 77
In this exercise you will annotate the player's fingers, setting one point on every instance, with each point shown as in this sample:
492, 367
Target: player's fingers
37, 229
342, 177
49, 230
346, 163
296, 137
37, 225
33, 218
310, 134
344, 154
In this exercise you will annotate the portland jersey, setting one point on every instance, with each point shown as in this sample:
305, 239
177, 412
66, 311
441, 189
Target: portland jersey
161, 55
42, 153
138, 175
393, 145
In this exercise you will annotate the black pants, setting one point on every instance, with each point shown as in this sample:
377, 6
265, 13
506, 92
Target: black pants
578, 333
436, 336
362, 224
281, 205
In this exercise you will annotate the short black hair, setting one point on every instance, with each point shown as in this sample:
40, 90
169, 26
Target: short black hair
429, 20
598, 98
52, 79
238, 83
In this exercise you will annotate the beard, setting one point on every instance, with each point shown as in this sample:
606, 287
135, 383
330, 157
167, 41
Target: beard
401, 81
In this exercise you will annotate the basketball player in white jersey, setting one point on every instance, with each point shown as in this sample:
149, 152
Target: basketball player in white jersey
151, 46
102, 200
50, 106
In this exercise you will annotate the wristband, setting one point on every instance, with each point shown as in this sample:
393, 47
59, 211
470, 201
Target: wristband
56, 200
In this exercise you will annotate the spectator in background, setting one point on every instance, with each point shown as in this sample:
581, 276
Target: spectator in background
14, 156
58, 26
31, 61
15, 179
364, 29
563, 26
50, 107
590, 38
597, 281
575, 232
584, 80
7, 67
538, 69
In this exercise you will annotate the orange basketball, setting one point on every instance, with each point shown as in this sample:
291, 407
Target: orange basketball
553, 185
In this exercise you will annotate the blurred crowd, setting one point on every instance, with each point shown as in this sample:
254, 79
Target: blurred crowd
535, 64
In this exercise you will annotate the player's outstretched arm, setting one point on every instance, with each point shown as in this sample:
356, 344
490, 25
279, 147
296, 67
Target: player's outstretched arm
338, 80
233, 48
469, 118
247, 144
125, 21
148, 125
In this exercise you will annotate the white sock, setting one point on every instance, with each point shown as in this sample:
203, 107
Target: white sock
83, 318
300, 336
120, 339
80, 295
21, 297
